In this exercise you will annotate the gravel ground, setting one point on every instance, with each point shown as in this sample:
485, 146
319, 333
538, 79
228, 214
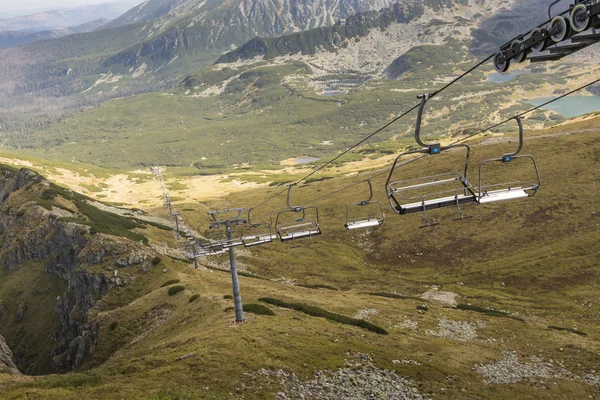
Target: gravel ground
365, 313
456, 330
443, 297
510, 370
359, 380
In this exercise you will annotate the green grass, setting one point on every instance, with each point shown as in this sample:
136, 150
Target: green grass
257, 309
319, 312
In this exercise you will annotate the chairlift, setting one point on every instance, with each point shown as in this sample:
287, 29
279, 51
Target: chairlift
430, 192
255, 234
510, 190
374, 215
301, 226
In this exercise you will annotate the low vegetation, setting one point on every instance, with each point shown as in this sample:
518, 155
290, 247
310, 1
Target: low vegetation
170, 282
173, 290
486, 311
319, 312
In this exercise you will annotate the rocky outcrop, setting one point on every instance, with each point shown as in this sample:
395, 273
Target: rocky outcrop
57, 249
6, 359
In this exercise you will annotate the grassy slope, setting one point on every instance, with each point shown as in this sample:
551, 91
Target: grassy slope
535, 258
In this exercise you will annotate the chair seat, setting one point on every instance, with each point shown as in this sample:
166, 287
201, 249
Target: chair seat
436, 203
250, 241
299, 234
363, 224
503, 194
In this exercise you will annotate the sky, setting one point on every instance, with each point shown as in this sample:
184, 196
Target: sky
23, 6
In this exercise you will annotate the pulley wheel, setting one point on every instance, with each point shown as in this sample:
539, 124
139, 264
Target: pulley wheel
522, 56
540, 46
596, 21
579, 19
501, 66
563, 29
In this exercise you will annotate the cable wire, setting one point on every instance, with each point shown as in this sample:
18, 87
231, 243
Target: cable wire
389, 123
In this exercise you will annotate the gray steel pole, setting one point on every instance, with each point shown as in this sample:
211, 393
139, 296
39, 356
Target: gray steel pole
237, 297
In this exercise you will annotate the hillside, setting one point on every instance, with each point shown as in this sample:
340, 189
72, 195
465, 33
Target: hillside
41, 81
259, 114
500, 306
68, 254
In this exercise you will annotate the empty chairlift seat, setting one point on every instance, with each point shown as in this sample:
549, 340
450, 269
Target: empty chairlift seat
297, 222
430, 192
366, 214
517, 189
255, 234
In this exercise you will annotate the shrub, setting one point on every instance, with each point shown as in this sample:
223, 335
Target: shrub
493, 313
572, 330
319, 312
173, 290
113, 325
48, 194
194, 297
423, 308
394, 296
156, 260
227, 297
258, 309
317, 286
171, 282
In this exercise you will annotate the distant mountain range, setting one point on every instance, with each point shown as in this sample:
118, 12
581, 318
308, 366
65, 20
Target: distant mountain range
14, 38
65, 18
158, 43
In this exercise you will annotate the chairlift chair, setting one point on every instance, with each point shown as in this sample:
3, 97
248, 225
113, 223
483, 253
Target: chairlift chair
430, 192
374, 218
255, 234
301, 226
510, 190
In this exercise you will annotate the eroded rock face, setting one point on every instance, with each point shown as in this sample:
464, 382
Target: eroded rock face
42, 241
6, 359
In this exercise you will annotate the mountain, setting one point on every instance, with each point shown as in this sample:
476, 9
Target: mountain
71, 254
146, 11
14, 38
351, 78
40, 81
64, 18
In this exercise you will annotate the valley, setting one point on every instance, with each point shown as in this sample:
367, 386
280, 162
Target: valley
119, 140
455, 317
